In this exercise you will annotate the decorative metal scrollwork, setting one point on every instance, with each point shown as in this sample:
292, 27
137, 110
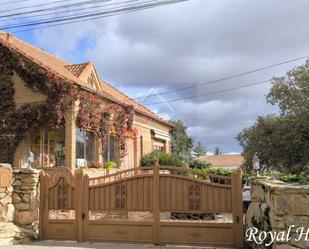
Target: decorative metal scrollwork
195, 197
62, 172
120, 196
62, 194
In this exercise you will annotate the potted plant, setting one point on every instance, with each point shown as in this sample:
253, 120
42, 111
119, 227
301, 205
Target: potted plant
109, 165
95, 165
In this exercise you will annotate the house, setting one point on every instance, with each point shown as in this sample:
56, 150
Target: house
224, 161
54, 113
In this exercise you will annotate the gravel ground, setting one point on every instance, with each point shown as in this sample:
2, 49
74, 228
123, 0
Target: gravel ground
69, 245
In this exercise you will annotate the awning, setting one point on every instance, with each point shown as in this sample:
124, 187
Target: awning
161, 135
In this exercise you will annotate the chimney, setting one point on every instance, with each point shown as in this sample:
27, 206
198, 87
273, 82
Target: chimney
9, 37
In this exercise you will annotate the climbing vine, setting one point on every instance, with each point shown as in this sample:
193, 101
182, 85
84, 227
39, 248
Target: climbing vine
16, 122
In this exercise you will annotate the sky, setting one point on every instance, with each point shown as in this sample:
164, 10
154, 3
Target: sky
187, 44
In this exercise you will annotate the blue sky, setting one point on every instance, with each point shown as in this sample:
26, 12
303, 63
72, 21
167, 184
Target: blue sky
186, 44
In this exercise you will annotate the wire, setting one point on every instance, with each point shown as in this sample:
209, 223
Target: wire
50, 8
226, 78
99, 17
73, 17
210, 93
33, 6
19, 1
66, 11
46, 21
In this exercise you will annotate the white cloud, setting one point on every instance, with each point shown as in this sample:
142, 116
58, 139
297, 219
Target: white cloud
189, 43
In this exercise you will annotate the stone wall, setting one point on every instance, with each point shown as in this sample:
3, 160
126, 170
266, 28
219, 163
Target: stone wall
19, 205
279, 208
26, 199
7, 209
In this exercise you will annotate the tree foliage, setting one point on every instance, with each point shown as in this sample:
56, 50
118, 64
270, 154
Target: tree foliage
181, 143
199, 150
198, 164
166, 159
282, 142
217, 151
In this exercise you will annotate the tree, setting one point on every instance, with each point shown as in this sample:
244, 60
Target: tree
282, 141
291, 93
199, 150
217, 151
181, 143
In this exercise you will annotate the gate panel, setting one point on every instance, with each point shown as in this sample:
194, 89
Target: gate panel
120, 231
159, 204
109, 202
197, 234
59, 210
192, 196
180, 194
129, 194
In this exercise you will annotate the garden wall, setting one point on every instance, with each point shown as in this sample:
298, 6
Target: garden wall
19, 204
7, 209
279, 208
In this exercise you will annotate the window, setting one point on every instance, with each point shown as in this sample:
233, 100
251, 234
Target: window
48, 148
85, 148
158, 145
157, 148
111, 149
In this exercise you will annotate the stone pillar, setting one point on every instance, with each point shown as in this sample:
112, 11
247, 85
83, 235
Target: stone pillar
7, 209
70, 135
277, 207
26, 200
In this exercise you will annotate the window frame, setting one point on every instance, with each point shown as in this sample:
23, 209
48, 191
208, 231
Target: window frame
107, 147
43, 140
85, 133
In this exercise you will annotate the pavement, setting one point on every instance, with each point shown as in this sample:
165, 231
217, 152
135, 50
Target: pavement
83, 245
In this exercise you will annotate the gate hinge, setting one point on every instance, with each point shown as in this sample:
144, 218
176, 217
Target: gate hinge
237, 219
83, 216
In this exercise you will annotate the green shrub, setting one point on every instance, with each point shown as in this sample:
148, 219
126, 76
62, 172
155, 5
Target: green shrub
287, 177
198, 164
167, 159
110, 165
218, 171
302, 178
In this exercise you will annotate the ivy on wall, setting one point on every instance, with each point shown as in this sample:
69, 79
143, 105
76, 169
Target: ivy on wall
15, 122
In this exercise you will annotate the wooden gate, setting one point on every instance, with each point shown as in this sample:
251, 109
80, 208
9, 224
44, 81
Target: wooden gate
61, 205
159, 204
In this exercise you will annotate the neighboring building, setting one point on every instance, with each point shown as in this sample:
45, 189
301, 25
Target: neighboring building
224, 161
70, 145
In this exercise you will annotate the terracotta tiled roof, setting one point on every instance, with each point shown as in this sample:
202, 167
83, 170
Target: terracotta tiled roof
76, 69
224, 160
71, 72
